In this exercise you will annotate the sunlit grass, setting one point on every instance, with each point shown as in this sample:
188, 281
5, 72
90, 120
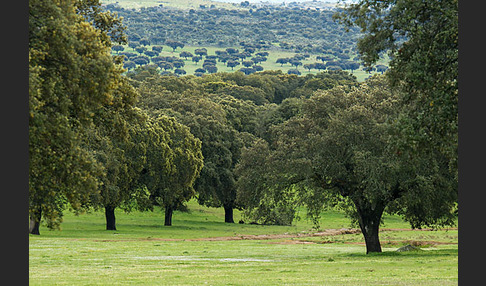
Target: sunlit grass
144, 252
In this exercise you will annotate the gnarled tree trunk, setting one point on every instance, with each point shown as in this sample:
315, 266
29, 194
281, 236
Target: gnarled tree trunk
370, 229
369, 217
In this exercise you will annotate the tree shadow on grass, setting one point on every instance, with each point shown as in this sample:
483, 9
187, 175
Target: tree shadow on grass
417, 253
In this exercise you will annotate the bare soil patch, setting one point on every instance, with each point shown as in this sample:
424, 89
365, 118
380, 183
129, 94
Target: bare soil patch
327, 232
294, 238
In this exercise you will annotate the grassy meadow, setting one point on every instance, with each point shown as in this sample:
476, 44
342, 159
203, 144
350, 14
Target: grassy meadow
200, 249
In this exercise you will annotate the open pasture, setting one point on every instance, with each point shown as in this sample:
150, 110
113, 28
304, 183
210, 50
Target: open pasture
269, 64
200, 249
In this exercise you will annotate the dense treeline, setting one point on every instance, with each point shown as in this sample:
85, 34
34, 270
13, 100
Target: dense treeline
298, 30
227, 112
265, 143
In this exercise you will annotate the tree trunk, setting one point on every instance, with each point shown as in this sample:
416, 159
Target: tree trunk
369, 221
168, 215
371, 235
35, 223
110, 218
228, 214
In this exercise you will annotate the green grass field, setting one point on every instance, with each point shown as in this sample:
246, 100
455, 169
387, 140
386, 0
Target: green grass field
200, 249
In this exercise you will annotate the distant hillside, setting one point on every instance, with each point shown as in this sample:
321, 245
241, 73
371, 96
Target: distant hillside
180, 4
285, 38
227, 4
299, 30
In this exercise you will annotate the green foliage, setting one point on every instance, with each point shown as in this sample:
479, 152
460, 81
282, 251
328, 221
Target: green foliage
336, 149
266, 142
111, 141
208, 122
264, 200
174, 44
422, 40
108, 23
188, 162
88, 145
72, 74
221, 110
300, 29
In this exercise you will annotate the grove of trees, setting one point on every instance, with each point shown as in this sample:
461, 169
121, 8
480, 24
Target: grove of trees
262, 142
298, 30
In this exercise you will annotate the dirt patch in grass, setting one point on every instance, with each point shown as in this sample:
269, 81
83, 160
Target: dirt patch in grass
293, 241
294, 238
383, 243
408, 229
328, 232
418, 243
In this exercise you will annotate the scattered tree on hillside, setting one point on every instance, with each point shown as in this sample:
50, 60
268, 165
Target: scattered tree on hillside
117, 48
133, 45
185, 55
144, 42
319, 66
257, 68
157, 48
294, 71
166, 65
211, 68
295, 63
247, 63
262, 54
129, 65
174, 44
140, 49
150, 53
178, 64
231, 51
179, 71
232, 64
196, 59
309, 66
247, 71
353, 66
282, 61
258, 59
201, 52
